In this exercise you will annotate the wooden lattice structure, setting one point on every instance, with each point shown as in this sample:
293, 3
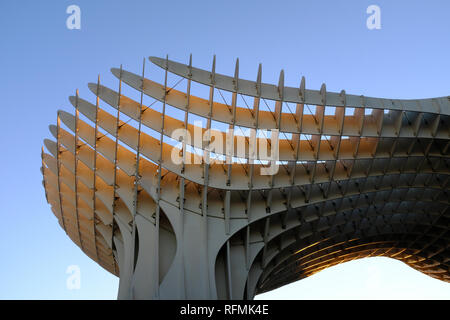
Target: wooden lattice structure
358, 177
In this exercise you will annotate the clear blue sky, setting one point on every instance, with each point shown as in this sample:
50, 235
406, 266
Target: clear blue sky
42, 63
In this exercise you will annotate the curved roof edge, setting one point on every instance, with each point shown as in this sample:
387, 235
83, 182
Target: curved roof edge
439, 105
